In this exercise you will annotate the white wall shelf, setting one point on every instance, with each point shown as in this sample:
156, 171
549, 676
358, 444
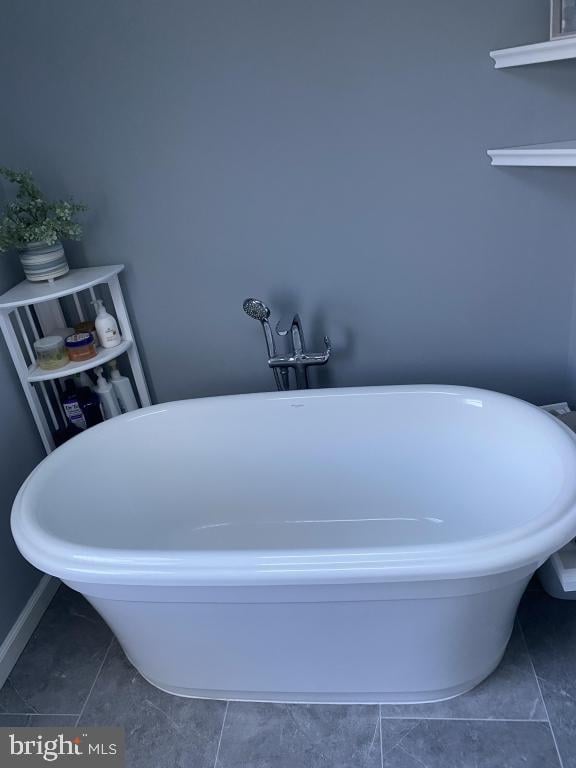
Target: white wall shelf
539, 53
104, 356
560, 154
31, 310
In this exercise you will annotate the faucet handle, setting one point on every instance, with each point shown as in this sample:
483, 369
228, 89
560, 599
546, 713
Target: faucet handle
317, 358
328, 345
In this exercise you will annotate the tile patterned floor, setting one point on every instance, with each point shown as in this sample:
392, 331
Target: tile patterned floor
524, 716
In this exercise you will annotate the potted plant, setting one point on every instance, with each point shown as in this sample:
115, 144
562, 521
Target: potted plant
35, 228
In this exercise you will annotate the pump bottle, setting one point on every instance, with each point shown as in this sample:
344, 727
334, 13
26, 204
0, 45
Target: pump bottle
106, 394
106, 326
122, 389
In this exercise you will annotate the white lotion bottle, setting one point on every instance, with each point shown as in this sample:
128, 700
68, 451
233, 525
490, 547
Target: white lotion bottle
106, 326
122, 387
108, 401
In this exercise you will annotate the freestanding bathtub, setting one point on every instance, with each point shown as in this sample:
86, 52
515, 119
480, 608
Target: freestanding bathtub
345, 545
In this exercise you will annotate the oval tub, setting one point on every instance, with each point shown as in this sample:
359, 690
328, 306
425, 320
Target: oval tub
345, 545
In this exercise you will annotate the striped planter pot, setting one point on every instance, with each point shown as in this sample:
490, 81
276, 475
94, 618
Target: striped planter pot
43, 262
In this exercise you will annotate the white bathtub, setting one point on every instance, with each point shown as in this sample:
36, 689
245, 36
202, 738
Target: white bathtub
334, 545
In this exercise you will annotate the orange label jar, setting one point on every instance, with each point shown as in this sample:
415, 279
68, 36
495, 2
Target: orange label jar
81, 347
87, 326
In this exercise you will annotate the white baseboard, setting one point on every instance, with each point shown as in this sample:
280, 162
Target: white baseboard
25, 624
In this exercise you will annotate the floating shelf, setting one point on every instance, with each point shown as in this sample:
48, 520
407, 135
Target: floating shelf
559, 154
104, 356
552, 50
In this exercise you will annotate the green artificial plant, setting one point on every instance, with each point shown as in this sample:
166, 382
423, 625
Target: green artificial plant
31, 219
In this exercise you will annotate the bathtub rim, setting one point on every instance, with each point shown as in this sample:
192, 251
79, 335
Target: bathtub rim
375, 591
527, 545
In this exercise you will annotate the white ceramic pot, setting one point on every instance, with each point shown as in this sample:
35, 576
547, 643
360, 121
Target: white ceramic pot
41, 261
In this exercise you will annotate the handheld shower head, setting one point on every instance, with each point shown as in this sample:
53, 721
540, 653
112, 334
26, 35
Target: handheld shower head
256, 309
259, 311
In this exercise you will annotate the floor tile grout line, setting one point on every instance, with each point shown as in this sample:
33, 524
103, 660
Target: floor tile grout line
22, 699
380, 727
38, 714
221, 734
411, 756
95, 679
541, 696
466, 719
402, 738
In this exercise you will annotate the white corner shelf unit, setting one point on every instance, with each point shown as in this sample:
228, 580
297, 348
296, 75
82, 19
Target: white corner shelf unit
31, 310
558, 574
559, 154
104, 356
539, 53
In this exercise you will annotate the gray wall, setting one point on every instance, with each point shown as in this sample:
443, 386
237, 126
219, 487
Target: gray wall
20, 451
325, 155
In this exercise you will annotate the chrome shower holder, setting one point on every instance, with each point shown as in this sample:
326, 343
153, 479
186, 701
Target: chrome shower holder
297, 358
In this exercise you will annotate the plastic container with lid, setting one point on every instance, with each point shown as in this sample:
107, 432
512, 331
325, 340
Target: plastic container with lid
86, 326
81, 347
51, 353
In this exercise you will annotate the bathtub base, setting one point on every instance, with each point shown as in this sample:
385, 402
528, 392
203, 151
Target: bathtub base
290, 697
392, 643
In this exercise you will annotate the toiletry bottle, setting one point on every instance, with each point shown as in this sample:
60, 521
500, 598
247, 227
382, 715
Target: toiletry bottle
88, 399
123, 389
83, 379
106, 326
72, 410
107, 397
62, 436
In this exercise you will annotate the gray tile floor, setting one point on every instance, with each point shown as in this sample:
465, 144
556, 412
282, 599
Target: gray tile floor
524, 716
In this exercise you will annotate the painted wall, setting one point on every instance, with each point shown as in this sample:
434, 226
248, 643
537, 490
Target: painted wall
324, 155
20, 451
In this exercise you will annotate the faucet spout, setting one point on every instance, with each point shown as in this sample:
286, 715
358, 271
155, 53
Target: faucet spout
292, 325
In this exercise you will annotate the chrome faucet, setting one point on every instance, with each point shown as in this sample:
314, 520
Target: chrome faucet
297, 358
